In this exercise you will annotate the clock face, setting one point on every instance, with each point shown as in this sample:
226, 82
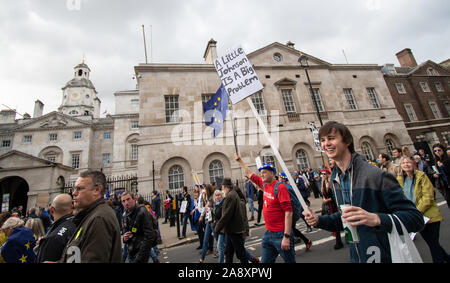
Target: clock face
75, 96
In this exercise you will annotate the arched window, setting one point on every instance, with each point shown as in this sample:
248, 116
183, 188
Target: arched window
367, 151
302, 159
390, 145
176, 177
269, 159
216, 171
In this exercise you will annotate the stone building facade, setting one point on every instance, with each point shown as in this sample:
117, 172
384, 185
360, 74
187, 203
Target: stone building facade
421, 94
173, 135
40, 154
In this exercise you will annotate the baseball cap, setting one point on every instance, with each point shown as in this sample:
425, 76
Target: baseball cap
268, 167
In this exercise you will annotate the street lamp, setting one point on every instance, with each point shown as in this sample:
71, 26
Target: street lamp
303, 60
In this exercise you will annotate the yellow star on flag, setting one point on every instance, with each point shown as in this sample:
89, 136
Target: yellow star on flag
215, 103
28, 244
23, 259
218, 98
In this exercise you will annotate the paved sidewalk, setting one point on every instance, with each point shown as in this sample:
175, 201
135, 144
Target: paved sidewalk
169, 234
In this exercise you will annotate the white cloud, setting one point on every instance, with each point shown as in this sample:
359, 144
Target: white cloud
43, 40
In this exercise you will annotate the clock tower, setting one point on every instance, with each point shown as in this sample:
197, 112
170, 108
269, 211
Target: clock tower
79, 95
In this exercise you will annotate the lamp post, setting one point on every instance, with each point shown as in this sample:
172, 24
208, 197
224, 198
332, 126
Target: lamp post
303, 60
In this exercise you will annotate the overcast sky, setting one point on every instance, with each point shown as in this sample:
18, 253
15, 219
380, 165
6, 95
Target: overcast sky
42, 40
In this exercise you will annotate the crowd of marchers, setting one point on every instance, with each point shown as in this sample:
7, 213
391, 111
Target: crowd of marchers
369, 196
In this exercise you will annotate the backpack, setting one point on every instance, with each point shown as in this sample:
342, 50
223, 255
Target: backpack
295, 203
154, 224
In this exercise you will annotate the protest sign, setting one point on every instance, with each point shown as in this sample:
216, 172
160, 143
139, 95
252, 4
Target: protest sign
315, 132
237, 75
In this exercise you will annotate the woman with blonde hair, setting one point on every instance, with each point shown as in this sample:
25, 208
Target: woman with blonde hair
19, 245
36, 225
419, 189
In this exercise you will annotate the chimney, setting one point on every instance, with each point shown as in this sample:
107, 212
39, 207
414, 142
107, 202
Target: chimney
7, 116
211, 52
38, 109
406, 58
290, 44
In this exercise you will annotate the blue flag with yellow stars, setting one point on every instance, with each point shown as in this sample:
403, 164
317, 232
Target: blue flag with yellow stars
215, 110
18, 248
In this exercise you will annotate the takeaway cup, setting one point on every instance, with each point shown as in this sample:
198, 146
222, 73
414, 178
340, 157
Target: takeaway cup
351, 233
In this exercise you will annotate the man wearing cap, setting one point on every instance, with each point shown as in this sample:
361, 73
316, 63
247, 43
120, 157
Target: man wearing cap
277, 215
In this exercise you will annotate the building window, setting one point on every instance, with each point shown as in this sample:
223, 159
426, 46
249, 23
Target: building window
216, 171
316, 96
435, 110
302, 159
373, 97
73, 112
410, 112
400, 88
447, 107
269, 159
390, 145
348, 92
176, 177
75, 160
106, 159
258, 101
424, 87
439, 87
134, 152
134, 124
107, 136
51, 158
432, 72
6, 143
277, 57
172, 106
27, 139
367, 150
77, 135
288, 101
135, 103
53, 137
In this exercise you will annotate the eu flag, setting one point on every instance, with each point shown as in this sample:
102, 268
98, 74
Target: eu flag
215, 110
18, 248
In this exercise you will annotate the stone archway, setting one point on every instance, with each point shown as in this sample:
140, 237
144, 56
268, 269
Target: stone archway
14, 192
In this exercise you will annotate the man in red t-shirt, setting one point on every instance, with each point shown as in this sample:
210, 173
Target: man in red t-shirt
277, 213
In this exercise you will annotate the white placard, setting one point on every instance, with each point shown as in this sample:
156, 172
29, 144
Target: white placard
258, 162
237, 75
315, 132
183, 206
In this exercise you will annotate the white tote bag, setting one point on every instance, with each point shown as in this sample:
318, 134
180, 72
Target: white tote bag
403, 249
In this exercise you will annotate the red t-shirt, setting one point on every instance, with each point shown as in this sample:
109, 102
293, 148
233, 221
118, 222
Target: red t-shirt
274, 208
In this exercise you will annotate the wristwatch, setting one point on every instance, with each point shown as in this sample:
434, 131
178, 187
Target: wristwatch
287, 236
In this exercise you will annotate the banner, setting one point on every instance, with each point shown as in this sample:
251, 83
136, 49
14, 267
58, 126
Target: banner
315, 132
237, 75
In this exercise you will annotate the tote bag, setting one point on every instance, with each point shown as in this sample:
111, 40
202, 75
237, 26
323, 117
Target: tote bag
402, 247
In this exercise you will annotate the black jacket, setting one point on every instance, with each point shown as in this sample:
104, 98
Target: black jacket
53, 243
140, 223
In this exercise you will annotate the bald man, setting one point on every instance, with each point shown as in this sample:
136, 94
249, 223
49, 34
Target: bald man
52, 245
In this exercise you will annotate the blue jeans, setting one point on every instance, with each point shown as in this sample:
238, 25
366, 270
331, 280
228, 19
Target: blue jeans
153, 253
185, 219
251, 207
271, 248
221, 243
206, 236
